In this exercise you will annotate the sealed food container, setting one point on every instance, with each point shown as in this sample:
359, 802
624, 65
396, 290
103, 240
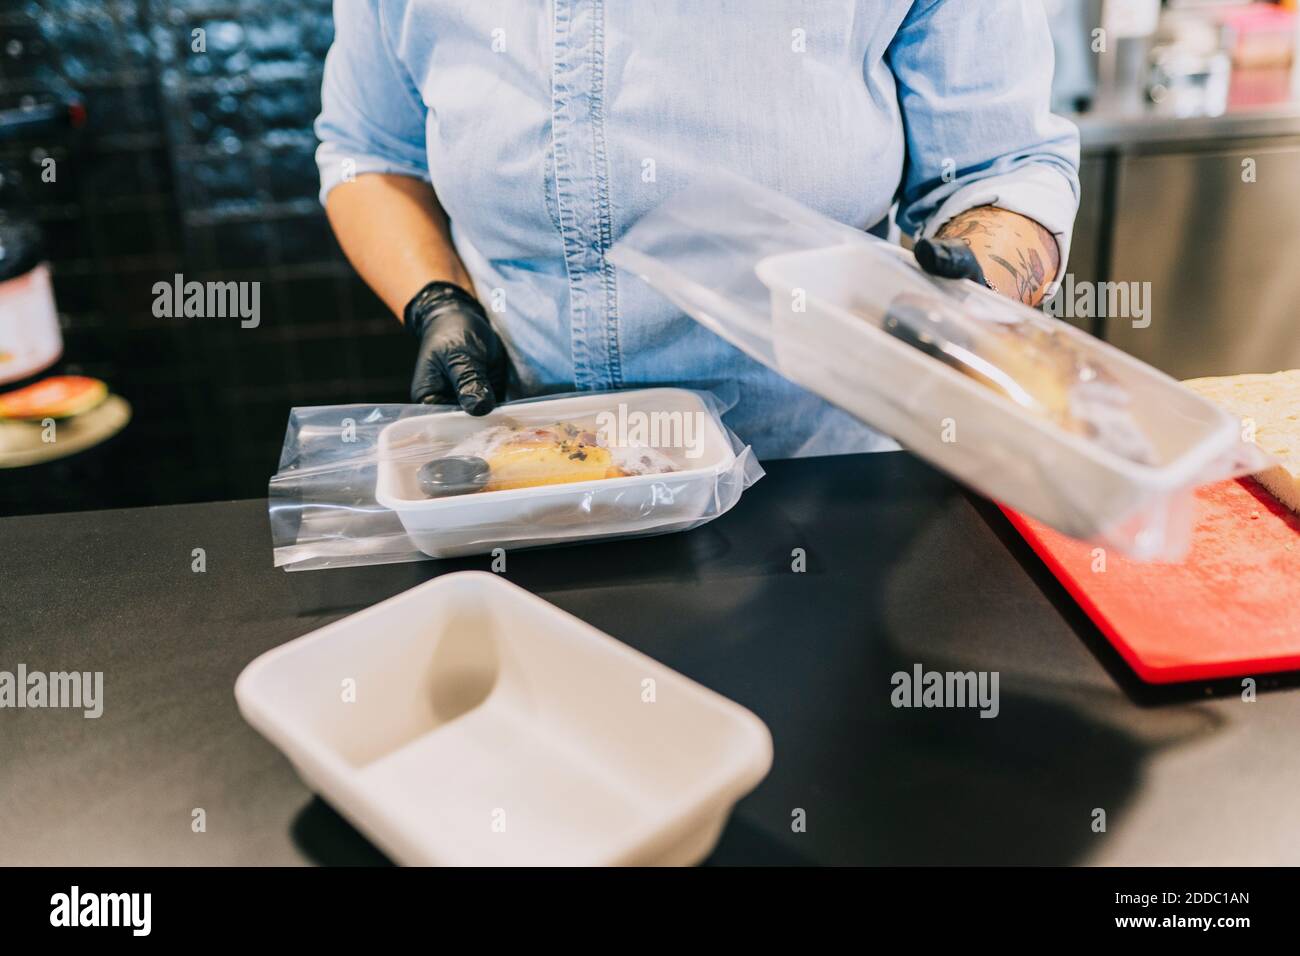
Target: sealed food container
685, 451
486, 727
1023, 408
398, 483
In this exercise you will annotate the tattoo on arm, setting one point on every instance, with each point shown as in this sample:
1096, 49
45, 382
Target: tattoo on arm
966, 226
1029, 274
1006, 242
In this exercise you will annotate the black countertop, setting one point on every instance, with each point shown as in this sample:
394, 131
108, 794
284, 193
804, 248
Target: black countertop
903, 568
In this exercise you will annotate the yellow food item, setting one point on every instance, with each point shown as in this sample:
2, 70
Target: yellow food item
1270, 406
1028, 365
1035, 362
549, 456
1029, 361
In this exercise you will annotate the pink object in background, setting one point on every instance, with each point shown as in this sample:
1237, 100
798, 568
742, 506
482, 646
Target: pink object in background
30, 340
1261, 35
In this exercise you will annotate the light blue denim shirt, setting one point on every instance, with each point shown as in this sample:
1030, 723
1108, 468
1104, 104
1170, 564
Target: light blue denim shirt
547, 129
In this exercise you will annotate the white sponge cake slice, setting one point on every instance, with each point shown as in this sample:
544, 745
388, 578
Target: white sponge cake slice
1272, 404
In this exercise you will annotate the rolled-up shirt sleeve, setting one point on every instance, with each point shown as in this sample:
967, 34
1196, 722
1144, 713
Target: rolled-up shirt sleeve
372, 118
974, 85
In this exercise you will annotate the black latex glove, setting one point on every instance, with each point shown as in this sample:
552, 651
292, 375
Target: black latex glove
461, 359
950, 259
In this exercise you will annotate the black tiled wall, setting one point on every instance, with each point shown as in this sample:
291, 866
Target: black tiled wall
197, 163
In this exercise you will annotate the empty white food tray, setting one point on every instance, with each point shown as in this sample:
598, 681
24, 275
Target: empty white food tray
468, 722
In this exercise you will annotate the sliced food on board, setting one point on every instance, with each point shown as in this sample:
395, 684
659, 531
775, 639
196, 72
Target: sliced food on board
1269, 409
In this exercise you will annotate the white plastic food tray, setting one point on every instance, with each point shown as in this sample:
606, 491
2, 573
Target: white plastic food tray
835, 349
491, 728
580, 510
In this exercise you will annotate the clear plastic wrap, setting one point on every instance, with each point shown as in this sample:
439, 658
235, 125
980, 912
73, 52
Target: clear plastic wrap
373, 485
1023, 408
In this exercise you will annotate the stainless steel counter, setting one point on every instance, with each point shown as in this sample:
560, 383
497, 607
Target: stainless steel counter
1104, 130
1197, 215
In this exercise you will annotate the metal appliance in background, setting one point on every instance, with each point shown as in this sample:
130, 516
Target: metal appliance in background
1135, 56
1074, 86
1212, 249
1193, 204
1123, 57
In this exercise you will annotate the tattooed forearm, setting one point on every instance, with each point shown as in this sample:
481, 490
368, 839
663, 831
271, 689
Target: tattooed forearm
967, 226
1029, 275
1020, 257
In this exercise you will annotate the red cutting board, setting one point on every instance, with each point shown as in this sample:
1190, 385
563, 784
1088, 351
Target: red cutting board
1231, 609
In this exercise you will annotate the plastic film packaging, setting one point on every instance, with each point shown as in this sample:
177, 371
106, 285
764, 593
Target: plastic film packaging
1021, 407
378, 484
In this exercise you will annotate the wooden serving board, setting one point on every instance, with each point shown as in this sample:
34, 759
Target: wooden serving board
1231, 609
